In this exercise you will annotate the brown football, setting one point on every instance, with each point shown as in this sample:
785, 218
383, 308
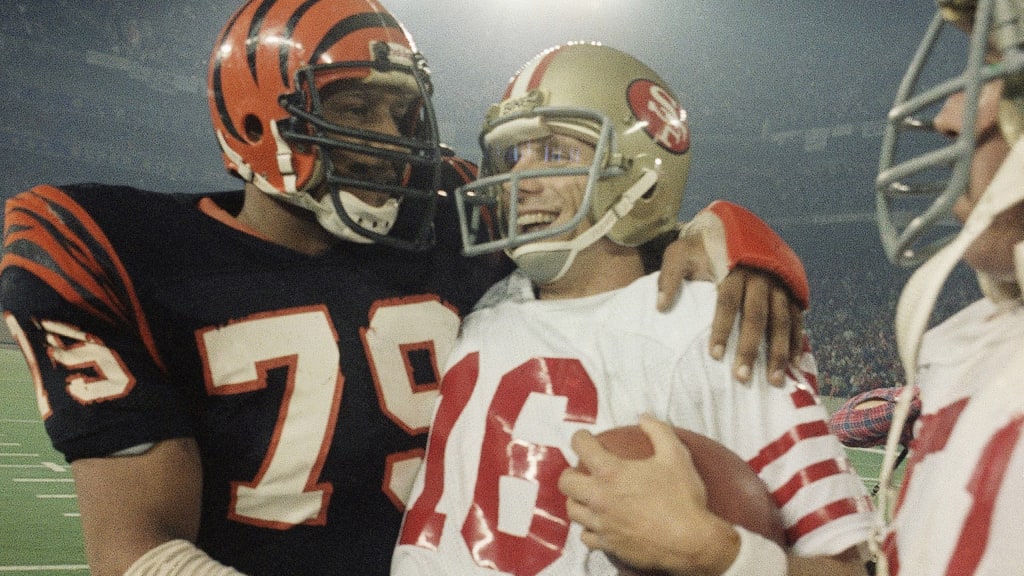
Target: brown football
735, 492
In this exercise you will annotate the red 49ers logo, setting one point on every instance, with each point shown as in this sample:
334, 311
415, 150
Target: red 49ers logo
665, 118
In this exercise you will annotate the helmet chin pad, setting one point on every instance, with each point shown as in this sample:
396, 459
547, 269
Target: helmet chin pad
366, 216
544, 264
328, 210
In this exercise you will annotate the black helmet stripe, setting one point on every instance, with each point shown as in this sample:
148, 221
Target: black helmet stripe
283, 47
252, 39
352, 24
334, 35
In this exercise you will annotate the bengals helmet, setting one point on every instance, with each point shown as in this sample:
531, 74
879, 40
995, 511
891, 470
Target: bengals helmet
603, 97
267, 76
921, 174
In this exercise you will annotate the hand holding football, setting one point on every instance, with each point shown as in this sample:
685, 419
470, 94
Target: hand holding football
734, 492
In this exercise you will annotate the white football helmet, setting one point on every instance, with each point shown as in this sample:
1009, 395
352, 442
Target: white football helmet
606, 98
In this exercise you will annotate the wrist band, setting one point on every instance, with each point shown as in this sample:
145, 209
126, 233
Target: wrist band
178, 557
758, 555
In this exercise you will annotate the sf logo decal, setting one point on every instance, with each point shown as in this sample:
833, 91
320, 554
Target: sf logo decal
664, 118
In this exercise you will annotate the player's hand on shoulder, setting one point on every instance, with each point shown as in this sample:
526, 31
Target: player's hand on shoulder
765, 310
760, 280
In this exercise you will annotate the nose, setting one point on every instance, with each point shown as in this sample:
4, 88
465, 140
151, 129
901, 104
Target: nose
385, 123
949, 120
376, 168
525, 187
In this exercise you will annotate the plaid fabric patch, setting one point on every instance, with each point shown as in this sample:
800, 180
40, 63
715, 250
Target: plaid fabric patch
863, 427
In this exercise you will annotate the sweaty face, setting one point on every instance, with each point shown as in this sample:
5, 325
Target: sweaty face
379, 109
548, 201
992, 252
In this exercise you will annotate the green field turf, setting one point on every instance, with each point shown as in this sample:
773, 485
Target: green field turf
39, 526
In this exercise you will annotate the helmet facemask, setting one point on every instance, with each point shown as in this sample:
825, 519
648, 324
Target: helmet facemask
921, 172
495, 196
406, 165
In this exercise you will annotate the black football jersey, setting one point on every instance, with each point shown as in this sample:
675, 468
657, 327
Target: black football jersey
308, 381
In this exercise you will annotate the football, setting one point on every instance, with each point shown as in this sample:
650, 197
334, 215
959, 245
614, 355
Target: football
735, 493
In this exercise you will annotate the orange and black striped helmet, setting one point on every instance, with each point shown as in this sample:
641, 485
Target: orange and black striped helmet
268, 68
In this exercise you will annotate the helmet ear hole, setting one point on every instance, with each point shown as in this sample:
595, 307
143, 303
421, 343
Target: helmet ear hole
650, 192
253, 128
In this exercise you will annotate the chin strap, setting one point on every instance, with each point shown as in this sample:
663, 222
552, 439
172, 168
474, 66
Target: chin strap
546, 262
914, 309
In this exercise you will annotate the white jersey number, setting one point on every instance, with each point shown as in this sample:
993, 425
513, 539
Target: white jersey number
285, 491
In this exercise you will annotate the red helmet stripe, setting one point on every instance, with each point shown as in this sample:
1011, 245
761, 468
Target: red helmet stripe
538, 73
531, 75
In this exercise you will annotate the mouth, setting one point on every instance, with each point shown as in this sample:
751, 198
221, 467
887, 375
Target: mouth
534, 221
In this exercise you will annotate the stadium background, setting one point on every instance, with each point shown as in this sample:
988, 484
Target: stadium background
786, 101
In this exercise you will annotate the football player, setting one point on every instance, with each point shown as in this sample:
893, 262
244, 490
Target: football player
585, 161
967, 454
246, 379
962, 500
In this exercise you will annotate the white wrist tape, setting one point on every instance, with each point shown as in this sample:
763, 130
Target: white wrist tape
178, 558
758, 555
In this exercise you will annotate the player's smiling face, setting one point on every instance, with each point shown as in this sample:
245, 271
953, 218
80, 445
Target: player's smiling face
550, 200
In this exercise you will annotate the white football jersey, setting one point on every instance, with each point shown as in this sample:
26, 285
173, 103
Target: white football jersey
962, 500
525, 375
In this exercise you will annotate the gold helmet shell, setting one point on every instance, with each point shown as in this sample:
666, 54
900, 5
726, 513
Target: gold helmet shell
604, 97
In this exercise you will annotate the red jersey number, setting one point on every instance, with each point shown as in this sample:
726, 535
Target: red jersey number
505, 458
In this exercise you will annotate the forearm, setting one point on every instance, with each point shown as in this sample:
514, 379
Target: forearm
133, 504
751, 554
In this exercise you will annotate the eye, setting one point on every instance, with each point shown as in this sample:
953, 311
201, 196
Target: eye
556, 153
561, 150
347, 109
511, 157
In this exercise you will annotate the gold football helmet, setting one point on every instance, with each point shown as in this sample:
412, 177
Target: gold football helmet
603, 97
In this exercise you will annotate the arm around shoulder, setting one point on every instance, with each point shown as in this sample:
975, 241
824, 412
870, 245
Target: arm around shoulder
133, 504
